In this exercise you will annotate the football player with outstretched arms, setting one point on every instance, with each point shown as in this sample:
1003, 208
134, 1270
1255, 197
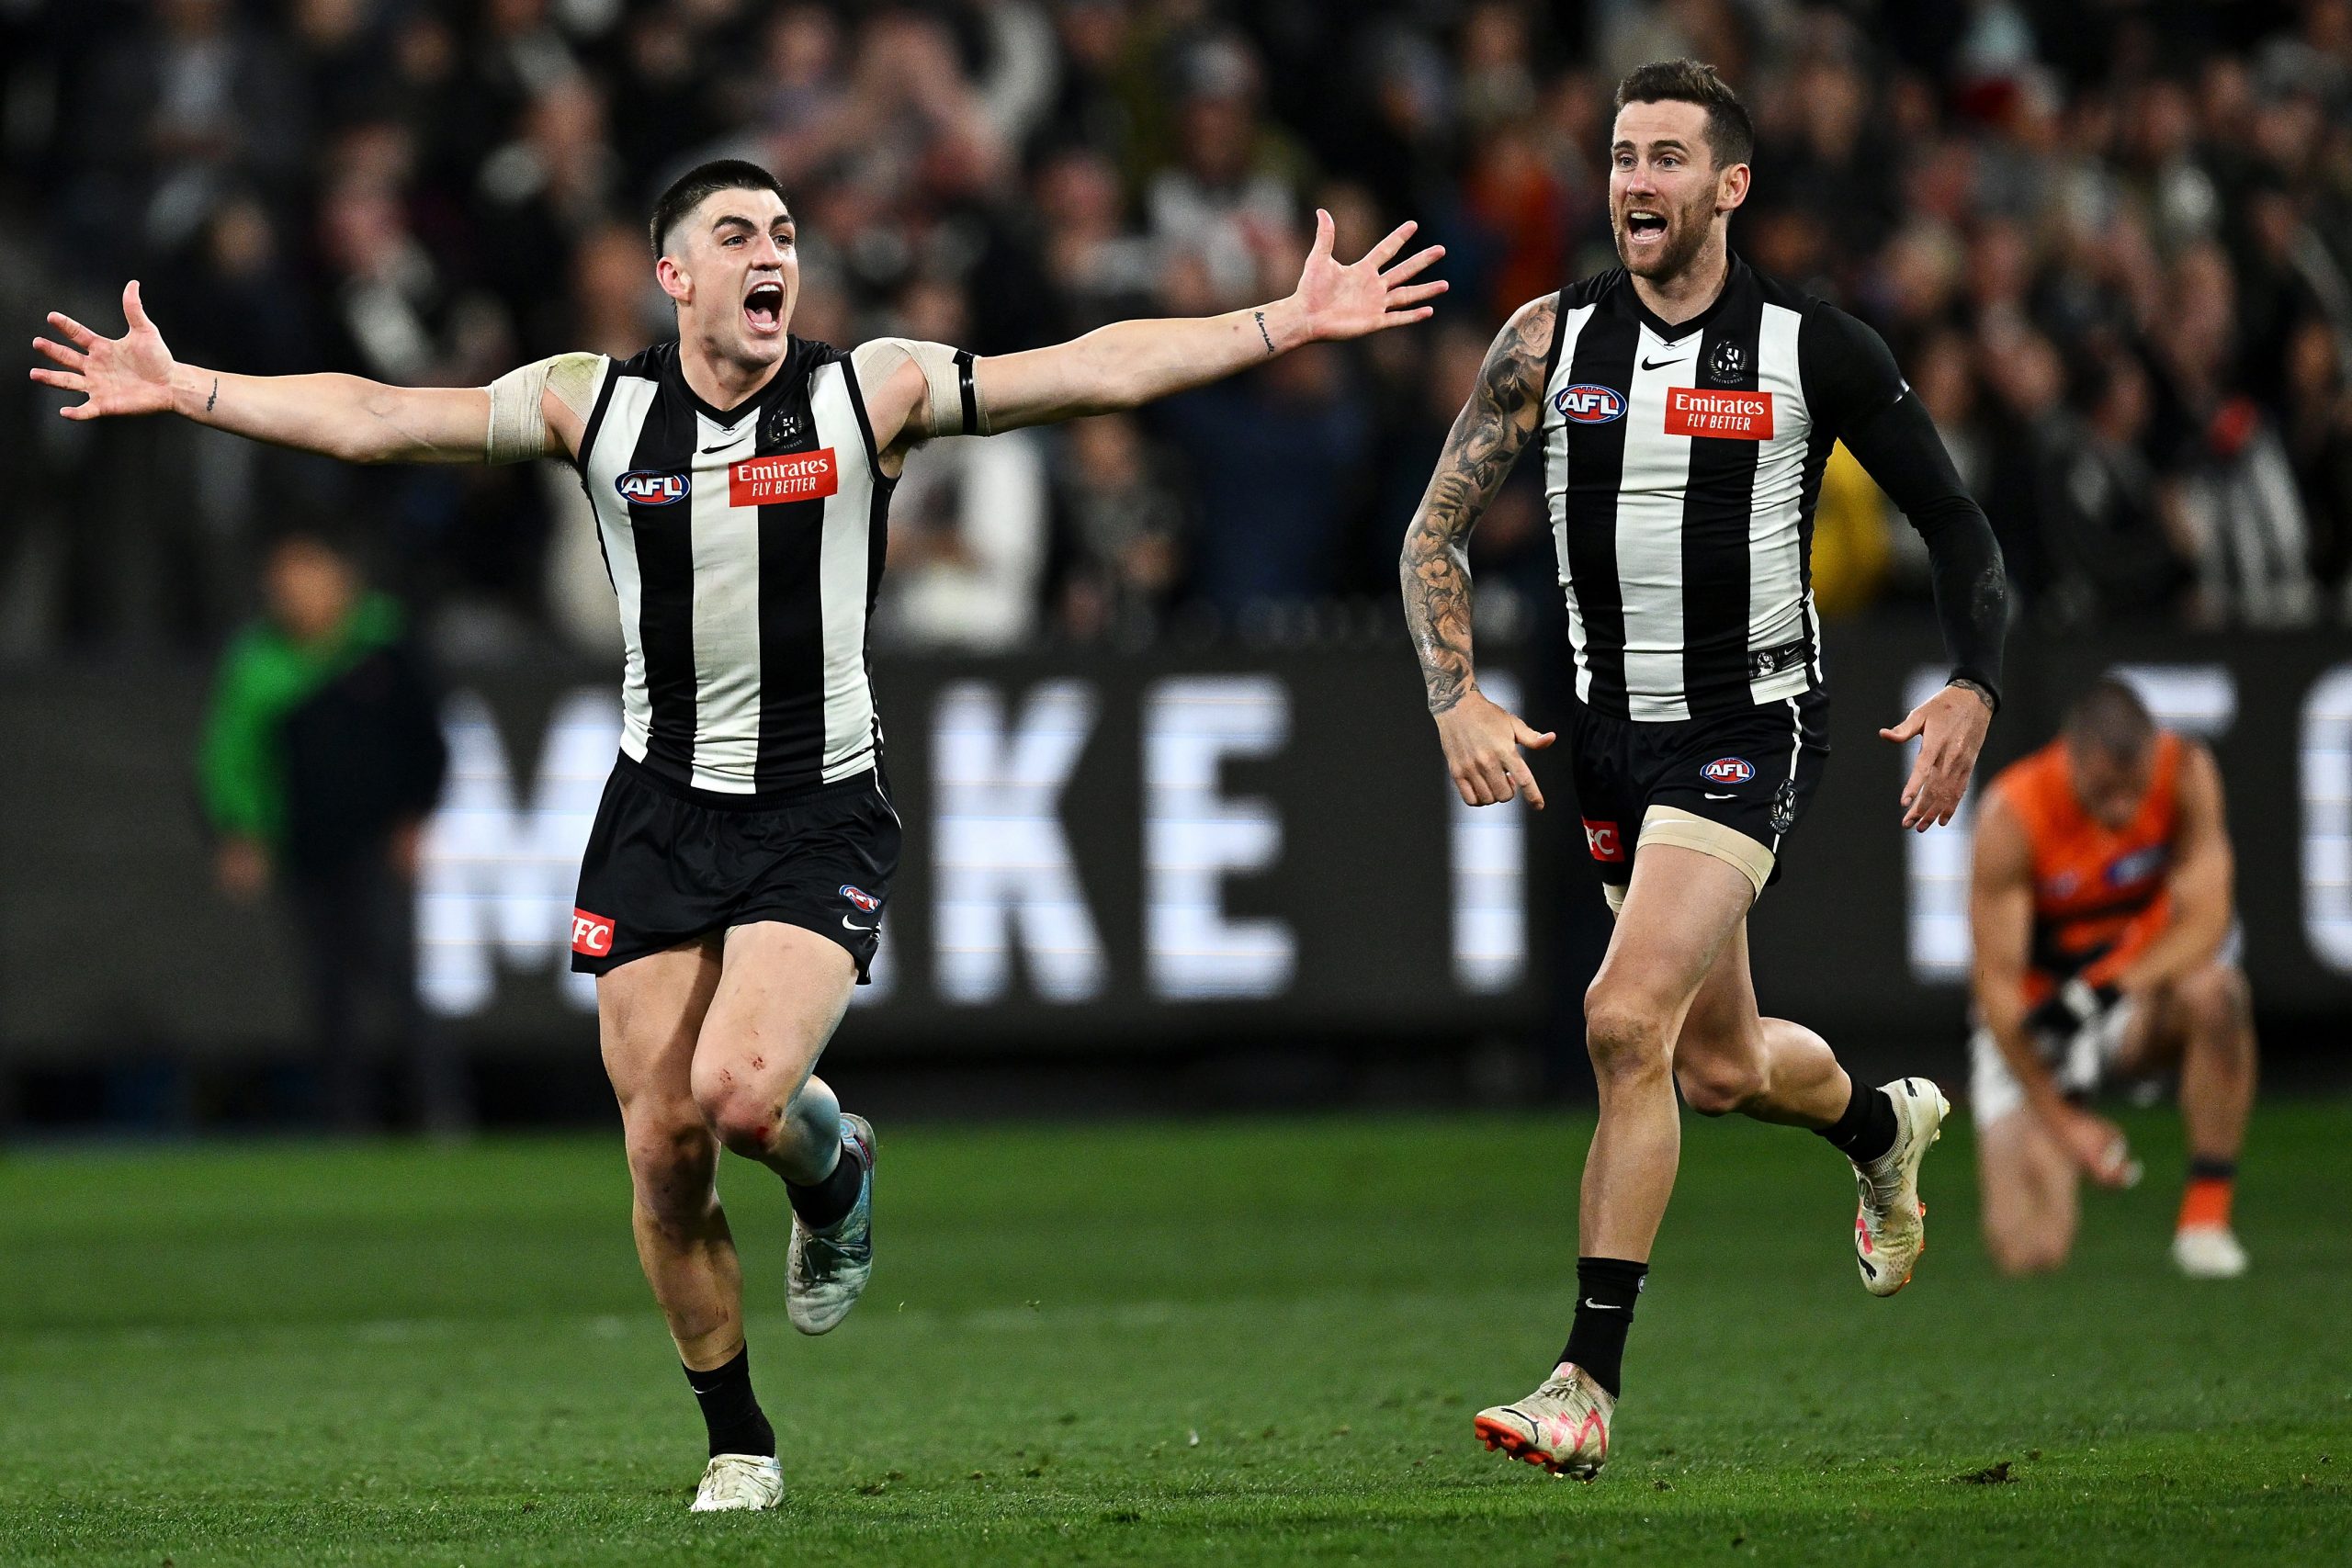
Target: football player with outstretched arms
741, 857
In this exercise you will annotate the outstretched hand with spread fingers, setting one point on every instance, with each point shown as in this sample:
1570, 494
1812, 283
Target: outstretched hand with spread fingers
1361, 297
116, 375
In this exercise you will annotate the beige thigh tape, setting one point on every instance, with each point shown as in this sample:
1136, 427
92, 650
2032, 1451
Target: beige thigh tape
1687, 829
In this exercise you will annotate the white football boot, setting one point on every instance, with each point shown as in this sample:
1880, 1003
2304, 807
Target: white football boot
739, 1483
2207, 1252
1563, 1426
828, 1270
1890, 1224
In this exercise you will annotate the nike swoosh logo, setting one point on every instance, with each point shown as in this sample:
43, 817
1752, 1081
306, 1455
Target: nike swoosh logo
845, 922
1661, 363
1711, 795
1598, 1306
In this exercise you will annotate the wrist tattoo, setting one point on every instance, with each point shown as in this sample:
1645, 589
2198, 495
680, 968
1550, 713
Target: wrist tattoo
1983, 694
215, 396
1262, 332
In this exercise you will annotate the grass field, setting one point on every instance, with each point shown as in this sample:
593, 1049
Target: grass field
1234, 1343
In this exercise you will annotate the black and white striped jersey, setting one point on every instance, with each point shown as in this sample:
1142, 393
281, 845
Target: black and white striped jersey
1681, 468
745, 547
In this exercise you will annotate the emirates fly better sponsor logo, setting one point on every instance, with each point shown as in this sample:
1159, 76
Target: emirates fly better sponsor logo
787, 476
1735, 416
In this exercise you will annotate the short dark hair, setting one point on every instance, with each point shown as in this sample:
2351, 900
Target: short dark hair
2109, 718
1731, 135
687, 191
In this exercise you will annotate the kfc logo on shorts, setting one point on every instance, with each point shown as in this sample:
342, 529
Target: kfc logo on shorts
591, 934
1604, 840
865, 901
1728, 771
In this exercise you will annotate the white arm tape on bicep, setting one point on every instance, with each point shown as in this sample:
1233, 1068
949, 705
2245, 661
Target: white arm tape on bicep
518, 425
951, 403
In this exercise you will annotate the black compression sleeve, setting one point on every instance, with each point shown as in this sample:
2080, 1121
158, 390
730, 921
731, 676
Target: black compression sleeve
1899, 448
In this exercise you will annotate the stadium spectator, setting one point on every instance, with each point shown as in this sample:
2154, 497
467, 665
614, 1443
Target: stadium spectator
320, 758
1277, 460
1121, 532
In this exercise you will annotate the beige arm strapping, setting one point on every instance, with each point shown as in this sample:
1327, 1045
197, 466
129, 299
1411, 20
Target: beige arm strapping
518, 425
944, 373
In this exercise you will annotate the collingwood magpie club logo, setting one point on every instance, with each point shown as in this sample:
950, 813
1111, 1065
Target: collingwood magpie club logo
780, 427
1727, 364
1784, 807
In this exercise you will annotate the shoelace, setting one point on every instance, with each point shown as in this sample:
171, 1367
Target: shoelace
1880, 1190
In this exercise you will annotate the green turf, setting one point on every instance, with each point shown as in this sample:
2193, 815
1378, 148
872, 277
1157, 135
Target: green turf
1235, 1344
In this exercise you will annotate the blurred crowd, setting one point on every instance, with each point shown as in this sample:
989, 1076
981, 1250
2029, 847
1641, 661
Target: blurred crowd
2111, 242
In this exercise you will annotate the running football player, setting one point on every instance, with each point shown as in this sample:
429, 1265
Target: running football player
1685, 405
741, 857
2100, 905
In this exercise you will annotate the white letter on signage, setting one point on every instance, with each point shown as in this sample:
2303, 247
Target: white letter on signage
1194, 836
1490, 879
2327, 818
1001, 856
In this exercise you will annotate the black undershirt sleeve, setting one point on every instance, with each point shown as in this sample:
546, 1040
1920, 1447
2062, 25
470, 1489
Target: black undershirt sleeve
1854, 392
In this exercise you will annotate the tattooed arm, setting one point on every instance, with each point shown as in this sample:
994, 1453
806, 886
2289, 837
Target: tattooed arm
1481, 740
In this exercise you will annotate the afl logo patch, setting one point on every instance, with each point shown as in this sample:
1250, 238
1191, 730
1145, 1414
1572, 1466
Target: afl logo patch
653, 487
1588, 404
1728, 771
861, 898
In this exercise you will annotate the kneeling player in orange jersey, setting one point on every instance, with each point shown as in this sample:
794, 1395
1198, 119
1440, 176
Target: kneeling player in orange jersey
2104, 949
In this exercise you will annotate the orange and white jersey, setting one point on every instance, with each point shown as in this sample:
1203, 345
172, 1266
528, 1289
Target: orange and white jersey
2100, 895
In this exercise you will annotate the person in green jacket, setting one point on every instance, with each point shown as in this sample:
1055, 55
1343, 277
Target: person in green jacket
321, 759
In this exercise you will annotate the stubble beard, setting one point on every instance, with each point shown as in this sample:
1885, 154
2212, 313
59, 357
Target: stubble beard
1688, 231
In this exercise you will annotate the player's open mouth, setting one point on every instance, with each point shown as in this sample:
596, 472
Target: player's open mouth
763, 308
1644, 226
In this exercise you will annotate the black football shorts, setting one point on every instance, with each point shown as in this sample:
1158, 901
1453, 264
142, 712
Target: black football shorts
1730, 784
665, 865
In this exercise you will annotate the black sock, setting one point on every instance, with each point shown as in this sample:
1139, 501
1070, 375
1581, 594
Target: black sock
1867, 1130
730, 1409
1606, 1288
2204, 1169
827, 1201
